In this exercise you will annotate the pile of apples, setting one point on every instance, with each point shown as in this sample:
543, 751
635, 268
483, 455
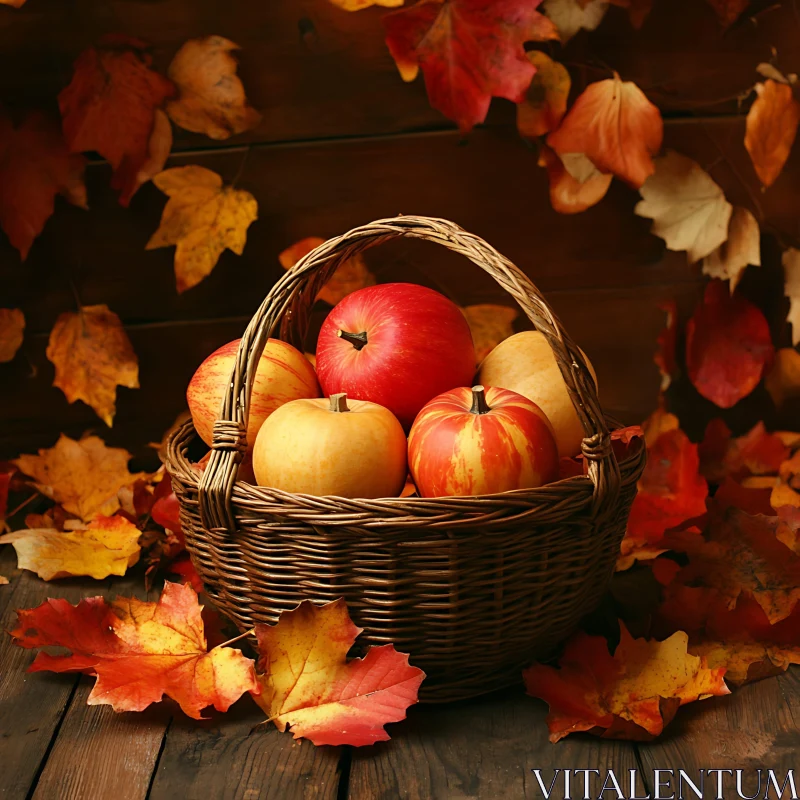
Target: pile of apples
395, 365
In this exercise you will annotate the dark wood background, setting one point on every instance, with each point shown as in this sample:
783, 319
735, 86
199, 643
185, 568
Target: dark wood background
343, 141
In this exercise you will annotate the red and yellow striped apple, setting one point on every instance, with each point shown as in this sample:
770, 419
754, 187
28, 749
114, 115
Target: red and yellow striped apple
481, 441
335, 446
283, 374
525, 364
396, 344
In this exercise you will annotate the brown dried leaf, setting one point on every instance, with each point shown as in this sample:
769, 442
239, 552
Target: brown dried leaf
742, 248
545, 101
783, 381
791, 288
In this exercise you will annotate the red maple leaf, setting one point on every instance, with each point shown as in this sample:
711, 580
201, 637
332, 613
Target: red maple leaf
110, 104
757, 452
35, 166
728, 346
468, 50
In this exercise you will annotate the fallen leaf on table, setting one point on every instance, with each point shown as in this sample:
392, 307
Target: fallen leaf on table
689, 211
468, 50
108, 546
211, 98
92, 355
616, 127
110, 104
671, 490
571, 16
84, 476
742, 248
667, 344
158, 150
349, 276
308, 683
728, 11
771, 129
545, 100
12, 326
728, 346
202, 218
783, 380
786, 491
35, 166
569, 195
357, 5
633, 694
791, 288
139, 651
722, 455
749, 498
489, 325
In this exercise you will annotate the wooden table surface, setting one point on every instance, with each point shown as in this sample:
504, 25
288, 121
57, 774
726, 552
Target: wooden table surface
54, 746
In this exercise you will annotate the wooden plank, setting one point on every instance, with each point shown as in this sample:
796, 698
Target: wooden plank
482, 750
227, 756
752, 729
616, 327
98, 752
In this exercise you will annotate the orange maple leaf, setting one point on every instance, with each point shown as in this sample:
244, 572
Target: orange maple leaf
308, 683
786, 491
35, 166
545, 100
84, 476
12, 325
92, 355
618, 129
468, 50
108, 546
139, 651
568, 194
110, 104
633, 694
771, 129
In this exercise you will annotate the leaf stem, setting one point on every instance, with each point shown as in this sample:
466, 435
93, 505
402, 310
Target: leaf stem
244, 635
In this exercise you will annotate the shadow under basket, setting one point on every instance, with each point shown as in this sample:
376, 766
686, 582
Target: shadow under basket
473, 588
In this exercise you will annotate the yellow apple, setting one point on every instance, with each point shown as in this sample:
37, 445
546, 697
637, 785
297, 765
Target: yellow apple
525, 364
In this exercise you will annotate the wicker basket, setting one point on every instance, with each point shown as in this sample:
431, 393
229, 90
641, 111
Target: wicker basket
473, 588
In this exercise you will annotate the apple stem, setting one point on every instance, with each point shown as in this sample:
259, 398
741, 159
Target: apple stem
358, 340
339, 402
479, 404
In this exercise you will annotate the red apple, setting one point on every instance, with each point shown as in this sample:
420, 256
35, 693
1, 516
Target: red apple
396, 344
476, 441
283, 374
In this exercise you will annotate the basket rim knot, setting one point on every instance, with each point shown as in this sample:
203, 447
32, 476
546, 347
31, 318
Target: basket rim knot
596, 447
229, 436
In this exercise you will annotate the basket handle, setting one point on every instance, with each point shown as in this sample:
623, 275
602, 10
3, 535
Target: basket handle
290, 299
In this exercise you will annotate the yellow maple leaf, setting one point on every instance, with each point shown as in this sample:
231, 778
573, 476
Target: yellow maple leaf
83, 476
490, 325
202, 218
350, 275
108, 546
93, 355
211, 97
12, 325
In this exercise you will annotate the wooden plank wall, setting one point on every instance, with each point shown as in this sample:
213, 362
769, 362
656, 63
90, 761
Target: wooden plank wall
343, 141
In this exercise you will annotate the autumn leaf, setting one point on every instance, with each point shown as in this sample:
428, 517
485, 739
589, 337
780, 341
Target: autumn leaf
12, 326
783, 380
107, 546
667, 344
728, 346
139, 651
110, 104
771, 129
202, 219
742, 248
489, 325
791, 288
722, 455
571, 16
35, 166
309, 685
616, 127
84, 476
184, 569
728, 11
569, 195
468, 50
158, 150
633, 694
92, 356
350, 275
357, 5
689, 211
786, 491
545, 100
211, 98
13, 3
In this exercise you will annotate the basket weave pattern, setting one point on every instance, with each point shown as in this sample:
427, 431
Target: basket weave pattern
473, 588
